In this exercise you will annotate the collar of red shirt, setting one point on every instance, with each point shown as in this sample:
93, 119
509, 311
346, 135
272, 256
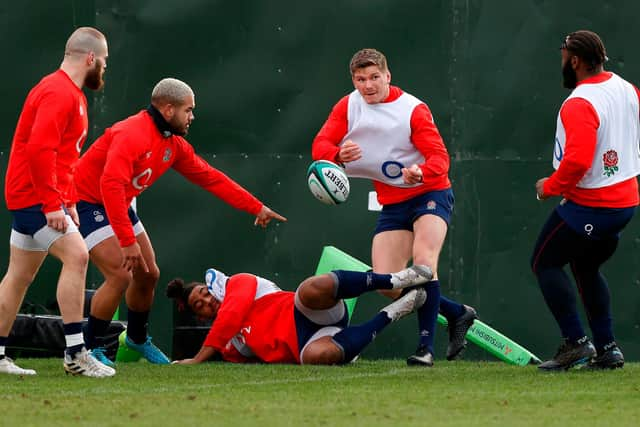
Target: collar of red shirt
394, 93
163, 126
598, 78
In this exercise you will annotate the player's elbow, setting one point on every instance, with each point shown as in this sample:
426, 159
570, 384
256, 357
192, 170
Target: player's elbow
321, 149
315, 152
576, 167
437, 166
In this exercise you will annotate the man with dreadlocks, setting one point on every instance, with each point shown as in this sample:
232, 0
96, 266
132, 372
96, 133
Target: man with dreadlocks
596, 157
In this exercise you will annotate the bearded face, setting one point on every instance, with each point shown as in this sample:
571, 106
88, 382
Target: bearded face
179, 125
94, 80
569, 76
182, 116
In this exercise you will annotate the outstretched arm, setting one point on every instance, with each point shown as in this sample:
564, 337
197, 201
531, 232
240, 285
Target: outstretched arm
203, 355
198, 171
266, 215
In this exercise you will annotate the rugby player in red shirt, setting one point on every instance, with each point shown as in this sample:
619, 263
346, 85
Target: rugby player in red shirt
40, 195
597, 159
127, 159
255, 321
382, 133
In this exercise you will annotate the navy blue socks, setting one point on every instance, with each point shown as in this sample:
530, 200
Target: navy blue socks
602, 330
428, 315
351, 284
96, 330
450, 309
354, 339
137, 322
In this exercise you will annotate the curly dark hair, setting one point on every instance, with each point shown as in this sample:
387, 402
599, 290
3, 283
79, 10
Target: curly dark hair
179, 292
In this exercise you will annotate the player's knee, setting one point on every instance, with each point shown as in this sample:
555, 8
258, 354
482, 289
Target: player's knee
19, 279
148, 279
153, 274
156, 272
322, 352
118, 279
76, 258
82, 257
315, 291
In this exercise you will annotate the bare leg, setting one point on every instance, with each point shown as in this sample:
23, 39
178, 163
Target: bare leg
107, 256
322, 351
344, 345
317, 292
430, 232
390, 252
139, 299
140, 294
23, 267
71, 250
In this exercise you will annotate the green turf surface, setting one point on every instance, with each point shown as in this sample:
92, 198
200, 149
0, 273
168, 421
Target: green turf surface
366, 393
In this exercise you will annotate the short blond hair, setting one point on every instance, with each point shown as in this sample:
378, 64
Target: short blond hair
170, 91
366, 58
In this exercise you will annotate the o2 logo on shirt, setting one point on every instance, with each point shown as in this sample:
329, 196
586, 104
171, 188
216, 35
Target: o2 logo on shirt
558, 153
392, 169
140, 182
79, 141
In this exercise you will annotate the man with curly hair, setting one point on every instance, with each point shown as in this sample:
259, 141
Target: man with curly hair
597, 159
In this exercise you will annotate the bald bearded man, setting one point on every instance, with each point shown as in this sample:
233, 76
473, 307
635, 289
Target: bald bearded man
40, 194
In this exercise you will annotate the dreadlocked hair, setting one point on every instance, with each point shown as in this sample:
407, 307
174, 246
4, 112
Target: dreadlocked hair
179, 292
588, 46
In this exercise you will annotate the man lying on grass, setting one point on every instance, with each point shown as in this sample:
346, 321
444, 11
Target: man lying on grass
256, 321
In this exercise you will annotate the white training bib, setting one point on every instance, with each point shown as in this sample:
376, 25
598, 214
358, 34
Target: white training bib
383, 132
617, 155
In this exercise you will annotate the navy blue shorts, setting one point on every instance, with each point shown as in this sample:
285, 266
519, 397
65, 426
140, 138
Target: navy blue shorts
306, 328
95, 226
586, 242
29, 230
594, 223
401, 216
28, 220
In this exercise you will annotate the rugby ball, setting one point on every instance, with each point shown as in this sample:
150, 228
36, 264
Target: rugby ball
328, 182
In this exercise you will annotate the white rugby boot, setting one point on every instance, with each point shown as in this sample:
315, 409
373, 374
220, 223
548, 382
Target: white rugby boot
411, 276
406, 304
8, 366
82, 363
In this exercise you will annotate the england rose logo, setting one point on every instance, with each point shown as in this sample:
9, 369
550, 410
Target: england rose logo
610, 160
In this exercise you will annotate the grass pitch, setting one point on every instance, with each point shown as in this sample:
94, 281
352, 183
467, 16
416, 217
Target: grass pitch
366, 393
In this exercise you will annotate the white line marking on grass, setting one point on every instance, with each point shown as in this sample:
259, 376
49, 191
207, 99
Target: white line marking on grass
175, 387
